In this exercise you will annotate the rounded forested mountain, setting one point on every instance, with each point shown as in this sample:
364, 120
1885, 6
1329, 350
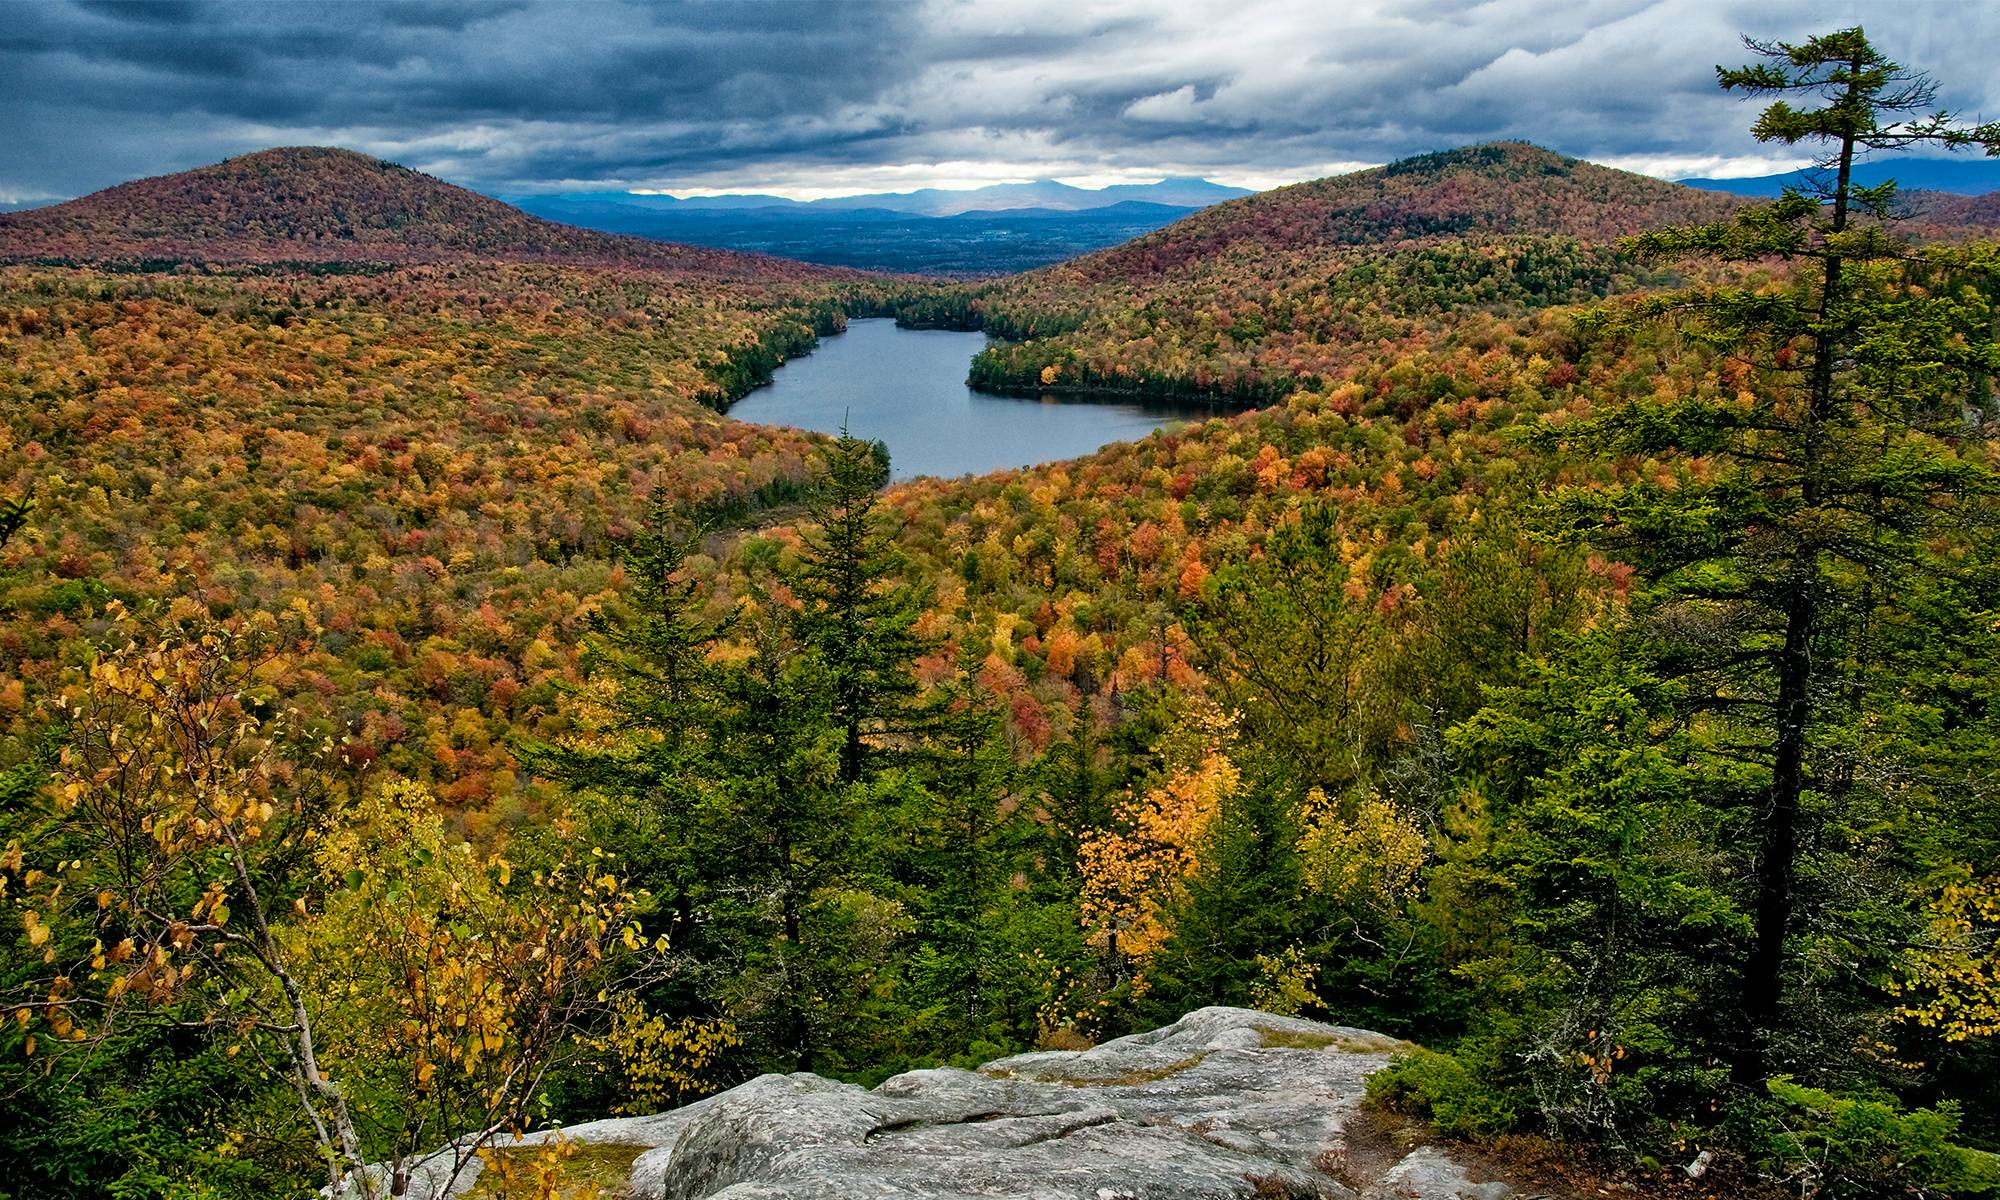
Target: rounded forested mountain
318, 204
1501, 189
1248, 301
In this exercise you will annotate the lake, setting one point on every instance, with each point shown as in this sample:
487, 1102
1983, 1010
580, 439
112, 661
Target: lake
907, 388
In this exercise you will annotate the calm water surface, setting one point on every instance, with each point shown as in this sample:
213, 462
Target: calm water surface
907, 387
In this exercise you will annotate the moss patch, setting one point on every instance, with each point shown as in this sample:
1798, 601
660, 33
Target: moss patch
598, 1170
1123, 1079
1137, 1077
1301, 1039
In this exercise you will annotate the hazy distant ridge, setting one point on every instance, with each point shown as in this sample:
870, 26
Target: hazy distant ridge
986, 230
1963, 176
925, 202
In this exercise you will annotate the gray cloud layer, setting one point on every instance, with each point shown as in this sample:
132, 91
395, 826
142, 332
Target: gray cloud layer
831, 95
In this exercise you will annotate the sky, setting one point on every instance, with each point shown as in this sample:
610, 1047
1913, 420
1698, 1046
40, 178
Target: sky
837, 97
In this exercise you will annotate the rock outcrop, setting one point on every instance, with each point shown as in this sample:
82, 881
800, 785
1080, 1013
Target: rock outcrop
1223, 1103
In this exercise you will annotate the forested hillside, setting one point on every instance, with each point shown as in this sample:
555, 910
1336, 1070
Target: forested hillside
434, 458
319, 205
1246, 299
427, 715
435, 462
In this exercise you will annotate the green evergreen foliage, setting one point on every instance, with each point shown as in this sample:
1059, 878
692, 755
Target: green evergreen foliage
852, 613
1839, 1147
1596, 910
960, 847
1300, 656
163, 1115
1243, 902
845, 923
14, 513
1837, 482
731, 773
1437, 1086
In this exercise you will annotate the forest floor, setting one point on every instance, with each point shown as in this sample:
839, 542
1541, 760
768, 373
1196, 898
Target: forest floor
1536, 1168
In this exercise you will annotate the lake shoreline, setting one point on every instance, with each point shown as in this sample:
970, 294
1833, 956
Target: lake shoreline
909, 388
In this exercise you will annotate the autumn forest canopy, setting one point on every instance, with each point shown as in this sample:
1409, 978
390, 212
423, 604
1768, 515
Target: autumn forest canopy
426, 715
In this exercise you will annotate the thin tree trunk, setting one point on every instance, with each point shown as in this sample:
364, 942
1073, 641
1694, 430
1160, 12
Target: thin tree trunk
800, 1031
850, 750
1764, 979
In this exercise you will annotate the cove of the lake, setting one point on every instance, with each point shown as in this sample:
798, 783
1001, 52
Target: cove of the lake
907, 388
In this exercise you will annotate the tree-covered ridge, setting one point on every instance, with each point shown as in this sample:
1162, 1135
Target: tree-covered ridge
1496, 190
1243, 302
322, 205
1249, 299
1962, 216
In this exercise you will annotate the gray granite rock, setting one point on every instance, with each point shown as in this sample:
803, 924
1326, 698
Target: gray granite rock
1223, 1103
1427, 1173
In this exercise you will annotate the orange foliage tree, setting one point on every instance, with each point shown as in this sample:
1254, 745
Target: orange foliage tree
1133, 872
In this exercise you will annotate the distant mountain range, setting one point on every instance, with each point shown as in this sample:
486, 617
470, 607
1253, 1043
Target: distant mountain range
618, 216
1967, 176
1046, 194
995, 229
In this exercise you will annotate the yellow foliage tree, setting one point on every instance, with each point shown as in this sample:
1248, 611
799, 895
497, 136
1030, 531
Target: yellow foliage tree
451, 983
424, 999
1953, 982
1372, 857
1133, 872
663, 1063
1284, 983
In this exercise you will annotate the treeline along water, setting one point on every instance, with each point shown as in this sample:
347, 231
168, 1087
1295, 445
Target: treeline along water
907, 387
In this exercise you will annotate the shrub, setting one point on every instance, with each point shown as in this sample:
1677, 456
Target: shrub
1425, 1083
1833, 1146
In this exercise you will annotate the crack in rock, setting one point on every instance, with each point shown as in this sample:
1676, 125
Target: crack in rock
1223, 1104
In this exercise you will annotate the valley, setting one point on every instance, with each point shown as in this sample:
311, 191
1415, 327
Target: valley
462, 672
907, 388
995, 230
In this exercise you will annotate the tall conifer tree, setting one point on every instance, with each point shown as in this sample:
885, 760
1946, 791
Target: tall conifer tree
1815, 505
852, 612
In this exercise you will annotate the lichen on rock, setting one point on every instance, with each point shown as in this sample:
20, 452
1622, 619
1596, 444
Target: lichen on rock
1223, 1103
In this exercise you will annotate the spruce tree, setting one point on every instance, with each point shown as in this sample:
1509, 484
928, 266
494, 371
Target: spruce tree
1298, 656
965, 839
1076, 793
722, 772
852, 613
659, 699
784, 830
1243, 901
1815, 493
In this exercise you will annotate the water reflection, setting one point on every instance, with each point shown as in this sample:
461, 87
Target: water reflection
907, 387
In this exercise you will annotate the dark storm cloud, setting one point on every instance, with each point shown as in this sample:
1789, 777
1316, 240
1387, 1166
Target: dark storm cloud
829, 95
